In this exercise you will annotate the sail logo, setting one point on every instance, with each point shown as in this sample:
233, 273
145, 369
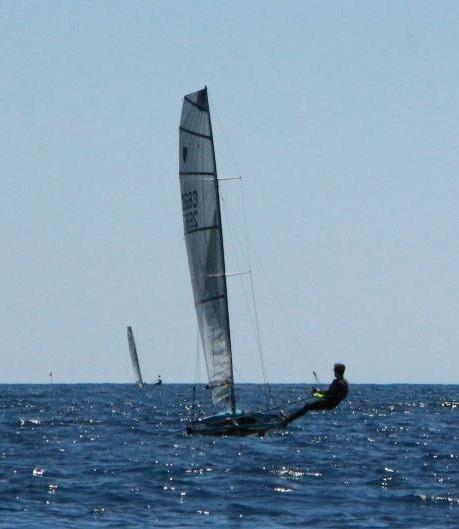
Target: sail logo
184, 153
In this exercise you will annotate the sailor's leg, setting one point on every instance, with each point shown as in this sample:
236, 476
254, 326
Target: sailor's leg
310, 406
295, 415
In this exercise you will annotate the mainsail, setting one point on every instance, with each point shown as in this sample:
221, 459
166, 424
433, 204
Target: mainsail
134, 357
204, 242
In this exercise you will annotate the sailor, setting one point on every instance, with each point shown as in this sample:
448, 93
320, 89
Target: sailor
326, 400
159, 381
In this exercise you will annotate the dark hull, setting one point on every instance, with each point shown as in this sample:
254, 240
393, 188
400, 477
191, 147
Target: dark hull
243, 424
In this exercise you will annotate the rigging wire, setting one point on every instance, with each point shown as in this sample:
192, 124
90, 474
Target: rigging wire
197, 376
284, 313
234, 240
270, 284
250, 247
252, 288
247, 251
260, 350
251, 305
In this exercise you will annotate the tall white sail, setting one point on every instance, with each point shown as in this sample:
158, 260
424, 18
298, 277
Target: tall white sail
134, 357
204, 242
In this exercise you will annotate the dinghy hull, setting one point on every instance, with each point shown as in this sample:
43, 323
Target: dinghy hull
243, 424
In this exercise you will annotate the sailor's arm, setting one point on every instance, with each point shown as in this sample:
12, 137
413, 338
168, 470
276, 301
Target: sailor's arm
332, 391
318, 393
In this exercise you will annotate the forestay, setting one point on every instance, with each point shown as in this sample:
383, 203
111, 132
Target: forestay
204, 242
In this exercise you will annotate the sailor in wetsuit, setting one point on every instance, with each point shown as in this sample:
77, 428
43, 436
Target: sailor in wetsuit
327, 400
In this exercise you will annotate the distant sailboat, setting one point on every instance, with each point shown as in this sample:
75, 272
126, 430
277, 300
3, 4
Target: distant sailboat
134, 357
206, 259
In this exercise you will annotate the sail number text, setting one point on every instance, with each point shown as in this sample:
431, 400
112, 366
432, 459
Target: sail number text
190, 211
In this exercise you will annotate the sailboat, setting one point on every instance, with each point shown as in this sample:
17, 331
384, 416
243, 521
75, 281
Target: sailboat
206, 258
134, 357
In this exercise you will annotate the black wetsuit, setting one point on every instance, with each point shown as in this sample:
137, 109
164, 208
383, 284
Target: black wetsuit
336, 392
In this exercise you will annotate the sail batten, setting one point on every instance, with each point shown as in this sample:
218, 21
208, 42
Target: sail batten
196, 173
221, 296
194, 133
204, 228
195, 104
202, 220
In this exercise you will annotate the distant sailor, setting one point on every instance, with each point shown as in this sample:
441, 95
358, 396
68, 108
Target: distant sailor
326, 400
159, 381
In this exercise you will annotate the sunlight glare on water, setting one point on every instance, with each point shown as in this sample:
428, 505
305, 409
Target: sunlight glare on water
77, 456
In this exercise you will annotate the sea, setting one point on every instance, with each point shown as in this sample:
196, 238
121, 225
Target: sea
85, 456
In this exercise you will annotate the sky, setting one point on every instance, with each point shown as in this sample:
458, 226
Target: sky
341, 119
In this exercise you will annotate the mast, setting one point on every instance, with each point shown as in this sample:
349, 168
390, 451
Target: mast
219, 219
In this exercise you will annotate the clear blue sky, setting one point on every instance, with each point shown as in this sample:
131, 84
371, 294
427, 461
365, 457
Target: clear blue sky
343, 119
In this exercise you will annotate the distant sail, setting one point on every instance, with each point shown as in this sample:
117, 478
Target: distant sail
204, 242
134, 357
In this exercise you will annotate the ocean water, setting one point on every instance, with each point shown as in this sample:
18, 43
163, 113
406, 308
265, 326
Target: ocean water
116, 456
